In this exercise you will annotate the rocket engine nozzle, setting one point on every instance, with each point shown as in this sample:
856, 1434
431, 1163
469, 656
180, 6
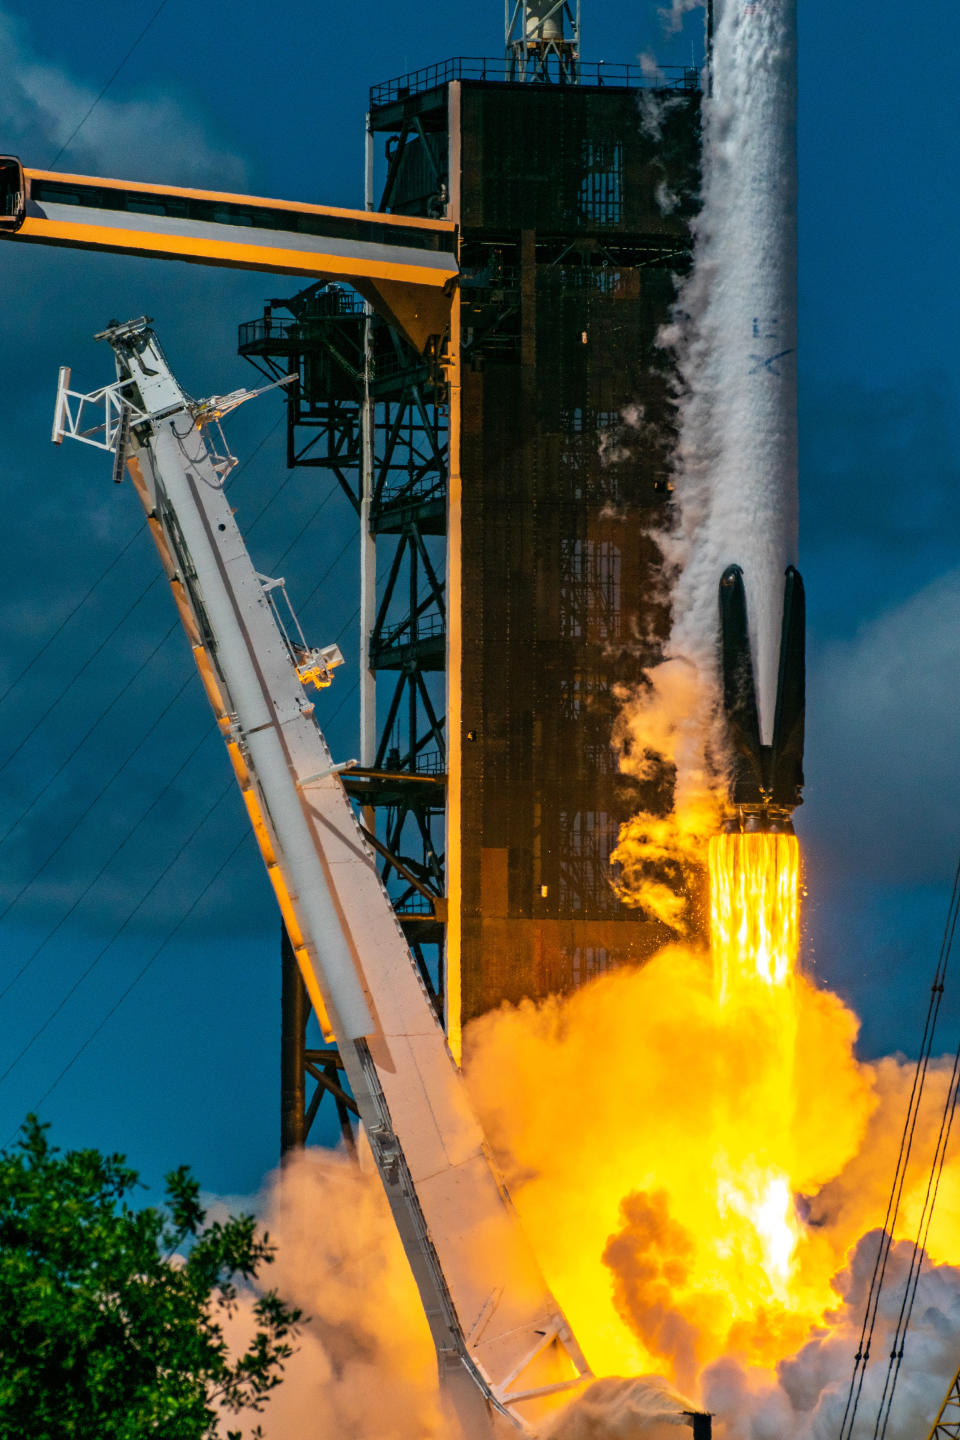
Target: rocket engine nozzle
758, 820
765, 780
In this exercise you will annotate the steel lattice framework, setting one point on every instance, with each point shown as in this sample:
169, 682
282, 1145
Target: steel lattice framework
504, 490
371, 410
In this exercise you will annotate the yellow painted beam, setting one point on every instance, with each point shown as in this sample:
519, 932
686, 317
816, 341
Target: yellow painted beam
406, 266
233, 254
453, 987
180, 192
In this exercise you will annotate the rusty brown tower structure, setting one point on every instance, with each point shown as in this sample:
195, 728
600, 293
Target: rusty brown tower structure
507, 479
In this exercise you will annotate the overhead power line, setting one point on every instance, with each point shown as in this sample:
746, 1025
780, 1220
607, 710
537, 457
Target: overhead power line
77, 673
926, 1215
90, 591
98, 797
328, 572
125, 687
98, 649
120, 845
79, 126
862, 1357
158, 881
304, 528
138, 977
38, 654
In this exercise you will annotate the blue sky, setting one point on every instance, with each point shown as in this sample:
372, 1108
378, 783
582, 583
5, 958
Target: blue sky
185, 1069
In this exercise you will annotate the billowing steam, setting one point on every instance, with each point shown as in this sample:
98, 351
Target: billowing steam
703, 1183
365, 1365
733, 347
661, 728
705, 1206
614, 1409
674, 14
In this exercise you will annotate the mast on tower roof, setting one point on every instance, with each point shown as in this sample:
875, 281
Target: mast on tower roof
542, 40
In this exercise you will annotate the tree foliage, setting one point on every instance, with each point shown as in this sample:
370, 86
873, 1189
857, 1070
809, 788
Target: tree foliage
111, 1315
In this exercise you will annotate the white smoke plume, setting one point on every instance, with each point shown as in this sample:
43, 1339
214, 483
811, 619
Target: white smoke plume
734, 338
600, 1173
365, 1364
806, 1400
615, 1409
654, 105
733, 345
613, 1184
673, 15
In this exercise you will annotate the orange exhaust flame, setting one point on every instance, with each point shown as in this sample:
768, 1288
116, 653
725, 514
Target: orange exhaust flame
755, 934
754, 911
702, 1093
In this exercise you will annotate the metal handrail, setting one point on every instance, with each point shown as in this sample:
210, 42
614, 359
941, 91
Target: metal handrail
331, 306
252, 331
589, 72
429, 627
411, 493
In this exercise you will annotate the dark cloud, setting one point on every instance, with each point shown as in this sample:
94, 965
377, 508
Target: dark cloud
880, 503
880, 496
883, 759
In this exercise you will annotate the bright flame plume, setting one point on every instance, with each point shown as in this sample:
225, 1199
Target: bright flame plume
708, 1100
754, 911
697, 1155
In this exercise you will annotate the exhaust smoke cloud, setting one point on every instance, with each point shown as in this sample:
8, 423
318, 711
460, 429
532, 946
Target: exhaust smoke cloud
704, 1177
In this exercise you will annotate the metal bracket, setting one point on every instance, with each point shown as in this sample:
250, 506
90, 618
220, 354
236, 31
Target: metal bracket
330, 770
71, 413
205, 411
313, 664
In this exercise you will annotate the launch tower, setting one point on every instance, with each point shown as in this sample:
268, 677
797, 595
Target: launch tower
507, 481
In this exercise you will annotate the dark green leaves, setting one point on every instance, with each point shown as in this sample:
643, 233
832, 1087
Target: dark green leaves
111, 1315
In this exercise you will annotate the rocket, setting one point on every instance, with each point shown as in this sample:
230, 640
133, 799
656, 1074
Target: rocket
766, 777
750, 203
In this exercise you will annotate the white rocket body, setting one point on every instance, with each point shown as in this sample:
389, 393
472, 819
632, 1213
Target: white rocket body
750, 211
736, 347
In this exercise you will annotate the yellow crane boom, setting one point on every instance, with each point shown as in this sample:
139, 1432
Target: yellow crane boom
947, 1424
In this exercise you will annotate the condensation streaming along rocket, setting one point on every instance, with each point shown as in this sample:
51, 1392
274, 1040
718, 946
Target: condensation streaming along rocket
751, 145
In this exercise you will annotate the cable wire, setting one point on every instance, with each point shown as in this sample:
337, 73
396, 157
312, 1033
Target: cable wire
329, 570
76, 130
138, 977
37, 654
300, 534
121, 844
41, 1029
242, 464
103, 713
917, 1257
127, 613
346, 624
77, 673
862, 1357
86, 736
922, 1232
248, 529
101, 792
346, 696
131, 829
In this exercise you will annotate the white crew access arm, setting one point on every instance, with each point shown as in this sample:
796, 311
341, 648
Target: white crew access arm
503, 1344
